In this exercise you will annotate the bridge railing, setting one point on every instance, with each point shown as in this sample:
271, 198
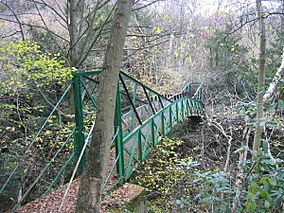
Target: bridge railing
139, 143
143, 117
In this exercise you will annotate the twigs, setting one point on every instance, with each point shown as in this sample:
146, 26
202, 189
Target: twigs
228, 151
228, 136
17, 19
240, 173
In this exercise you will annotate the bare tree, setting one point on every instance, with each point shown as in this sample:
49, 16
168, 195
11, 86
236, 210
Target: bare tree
78, 27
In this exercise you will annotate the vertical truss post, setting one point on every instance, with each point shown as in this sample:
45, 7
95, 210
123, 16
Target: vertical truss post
79, 137
186, 108
132, 125
119, 138
191, 107
139, 138
171, 117
153, 133
177, 111
182, 109
163, 123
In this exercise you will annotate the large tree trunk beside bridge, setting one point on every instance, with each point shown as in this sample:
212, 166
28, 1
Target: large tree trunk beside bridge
89, 198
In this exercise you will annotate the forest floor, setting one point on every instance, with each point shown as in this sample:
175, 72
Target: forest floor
51, 202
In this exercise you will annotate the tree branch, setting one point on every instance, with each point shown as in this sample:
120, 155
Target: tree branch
146, 5
16, 17
35, 26
45, 25
50, 7
273, 85
84, 56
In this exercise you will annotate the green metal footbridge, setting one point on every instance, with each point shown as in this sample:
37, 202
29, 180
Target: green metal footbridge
143, 117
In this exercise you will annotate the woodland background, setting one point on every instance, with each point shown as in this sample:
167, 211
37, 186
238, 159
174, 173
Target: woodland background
169, 43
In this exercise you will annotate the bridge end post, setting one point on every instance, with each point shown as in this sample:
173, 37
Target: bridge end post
79, 137
119, 138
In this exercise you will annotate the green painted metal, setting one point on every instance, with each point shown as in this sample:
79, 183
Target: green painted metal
138, 127
110, 173
140, 145
132, 165
45, 123
145, 125
163, 123
62, 169
93, 99
153, 133
89, 73
119, 138
147, 88
132, 110
79, 137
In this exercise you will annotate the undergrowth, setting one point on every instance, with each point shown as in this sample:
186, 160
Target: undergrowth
189, 175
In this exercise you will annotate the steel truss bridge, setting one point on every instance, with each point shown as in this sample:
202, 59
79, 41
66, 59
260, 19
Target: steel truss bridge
142, 118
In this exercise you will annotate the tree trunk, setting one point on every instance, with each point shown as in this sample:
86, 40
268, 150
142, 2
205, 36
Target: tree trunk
261, 66
76, 11
89, 198
273, 85
282, 16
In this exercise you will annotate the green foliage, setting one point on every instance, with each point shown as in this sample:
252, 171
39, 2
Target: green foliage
234, 67
30, 80
266, 185
214, 190
229, 59
226, 52
274, 51
262, 182
265, 178
24, 63
31, 83
264, 191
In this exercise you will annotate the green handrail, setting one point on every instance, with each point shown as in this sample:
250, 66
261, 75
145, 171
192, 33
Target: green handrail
180, 105
157, 115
